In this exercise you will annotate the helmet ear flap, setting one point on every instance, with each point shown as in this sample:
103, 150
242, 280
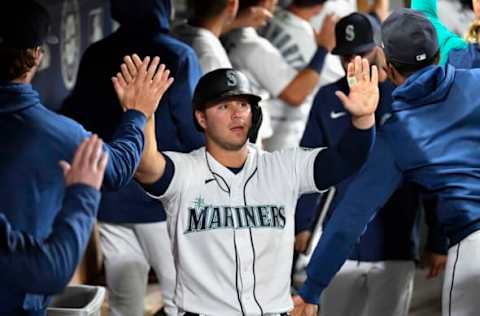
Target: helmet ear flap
257, 117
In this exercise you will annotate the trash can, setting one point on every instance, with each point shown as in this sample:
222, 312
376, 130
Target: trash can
78, 300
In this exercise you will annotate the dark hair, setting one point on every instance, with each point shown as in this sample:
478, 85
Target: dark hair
201, 10
15, 62
408, 69
307, 3
466, 4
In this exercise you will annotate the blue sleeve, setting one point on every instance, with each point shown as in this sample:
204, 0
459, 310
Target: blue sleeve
437, 241
366, 193
186, 79
46, 267
125, 150
160, 187
305, 213
336, 163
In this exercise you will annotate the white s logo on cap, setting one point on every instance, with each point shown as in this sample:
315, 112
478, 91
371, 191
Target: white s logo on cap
350, 33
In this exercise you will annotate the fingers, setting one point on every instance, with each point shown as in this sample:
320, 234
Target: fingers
97, 150
126, 74
137, 61
159, 75
77, 157
102, 163
357, 72
343, 98
152, 69
65, 167
365, 70
374, 79
87, 152
142, 72
130, 65
350, 70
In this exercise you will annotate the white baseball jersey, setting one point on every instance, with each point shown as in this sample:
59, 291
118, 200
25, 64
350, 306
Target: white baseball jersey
294, 37
207, 46
233, 234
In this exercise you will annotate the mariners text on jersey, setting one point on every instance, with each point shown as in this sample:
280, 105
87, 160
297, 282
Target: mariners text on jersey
204, 218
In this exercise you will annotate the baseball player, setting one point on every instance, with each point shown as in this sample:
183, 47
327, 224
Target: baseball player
377, 278
45, 266
273, 77
230, 207
203, 29
133, 232
432, 139
33, 138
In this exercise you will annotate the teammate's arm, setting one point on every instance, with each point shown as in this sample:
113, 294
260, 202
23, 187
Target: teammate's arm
46, 266
366, 193
306, 80
153, 163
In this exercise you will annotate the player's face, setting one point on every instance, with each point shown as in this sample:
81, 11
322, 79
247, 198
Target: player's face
227, 123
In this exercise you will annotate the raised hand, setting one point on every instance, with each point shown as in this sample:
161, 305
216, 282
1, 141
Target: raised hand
363, 98
141, 84
88, 165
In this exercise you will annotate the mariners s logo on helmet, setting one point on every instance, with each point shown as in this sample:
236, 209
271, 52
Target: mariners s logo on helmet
231, 79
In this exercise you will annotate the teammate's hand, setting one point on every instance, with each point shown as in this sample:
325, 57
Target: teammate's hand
302, 308
255, 17
141, 84
435, 263
363, 98
326, 36
88, 165
301, 241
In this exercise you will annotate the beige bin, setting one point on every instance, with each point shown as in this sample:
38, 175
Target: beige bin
78, 300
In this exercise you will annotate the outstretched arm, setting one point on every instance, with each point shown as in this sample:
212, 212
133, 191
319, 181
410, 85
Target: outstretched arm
46, 266
337, 163
152, 165
366, 193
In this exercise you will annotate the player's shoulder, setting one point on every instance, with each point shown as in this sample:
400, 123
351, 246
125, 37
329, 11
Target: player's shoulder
193, 157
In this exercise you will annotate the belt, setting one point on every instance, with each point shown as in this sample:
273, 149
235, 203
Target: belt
195, 314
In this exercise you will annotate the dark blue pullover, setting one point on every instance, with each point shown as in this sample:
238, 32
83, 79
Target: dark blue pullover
32, 142
392, 234
432, 140
144, 30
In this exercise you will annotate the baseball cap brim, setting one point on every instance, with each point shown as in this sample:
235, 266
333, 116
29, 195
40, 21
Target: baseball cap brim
342, 51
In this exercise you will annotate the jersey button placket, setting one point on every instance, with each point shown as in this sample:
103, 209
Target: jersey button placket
245, 253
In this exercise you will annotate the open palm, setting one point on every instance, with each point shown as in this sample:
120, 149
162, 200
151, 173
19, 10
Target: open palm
364, 95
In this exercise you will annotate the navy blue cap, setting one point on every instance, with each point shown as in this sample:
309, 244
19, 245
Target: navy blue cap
354, 34
409, 37
24, 24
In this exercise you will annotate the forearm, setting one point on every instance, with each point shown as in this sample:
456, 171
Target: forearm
305, 81
125, 150
335, 164
152, 164
45, 267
